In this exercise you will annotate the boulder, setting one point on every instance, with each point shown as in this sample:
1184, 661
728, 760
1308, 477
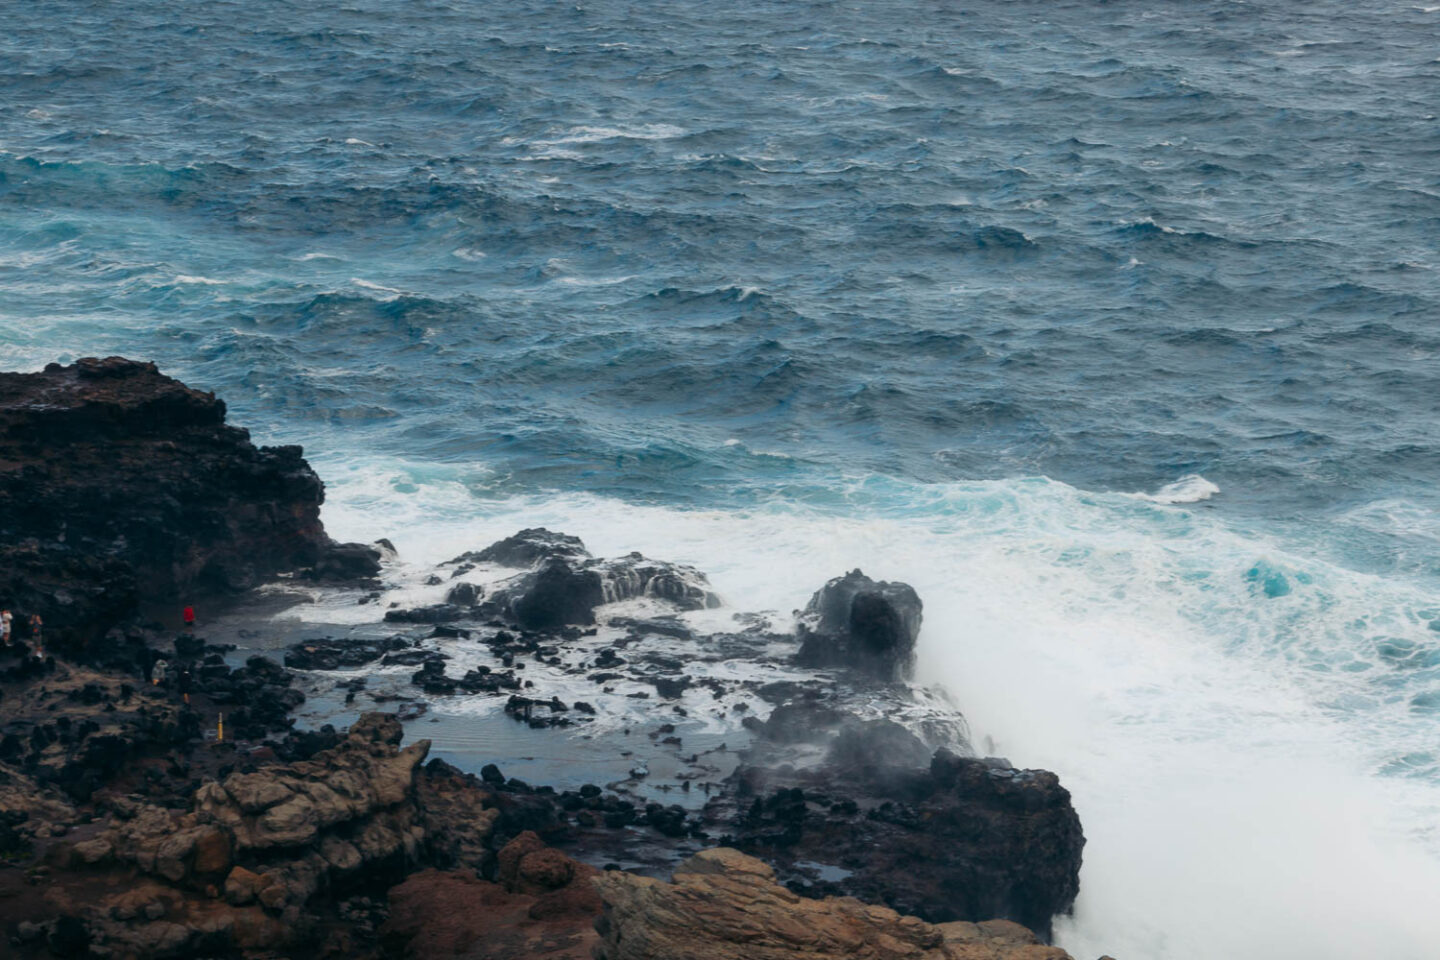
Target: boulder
436, 613
959, 839
347, 561
526, 548
463, 594
862, 624
875, 745
723, 905
557, 592
563, 590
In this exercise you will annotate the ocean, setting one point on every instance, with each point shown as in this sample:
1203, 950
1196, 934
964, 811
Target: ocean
1114, 328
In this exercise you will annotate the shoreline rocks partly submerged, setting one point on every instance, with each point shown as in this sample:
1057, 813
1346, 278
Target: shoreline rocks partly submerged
130, 828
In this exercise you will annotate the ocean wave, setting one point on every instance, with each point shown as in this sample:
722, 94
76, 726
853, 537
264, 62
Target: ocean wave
1191, 488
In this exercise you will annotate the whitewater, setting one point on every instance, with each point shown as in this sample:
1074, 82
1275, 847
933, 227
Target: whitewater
1248, 786
1110, 328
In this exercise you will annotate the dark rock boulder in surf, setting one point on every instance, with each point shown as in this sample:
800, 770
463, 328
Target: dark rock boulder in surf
959, 839
633, 576
871, 746
862, 624
436, 613
463, 594
889, 819
555, 593
526, 548
121, 488
563, 590
348, 561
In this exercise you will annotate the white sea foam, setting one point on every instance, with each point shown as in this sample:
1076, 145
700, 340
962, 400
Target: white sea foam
1191, 488
369, 285
593, 281
468, 253
1208, 696
204, 281
588, 134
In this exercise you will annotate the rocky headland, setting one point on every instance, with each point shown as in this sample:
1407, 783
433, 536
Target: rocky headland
782, 791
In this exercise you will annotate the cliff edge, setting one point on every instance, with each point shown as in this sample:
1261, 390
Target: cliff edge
121, 488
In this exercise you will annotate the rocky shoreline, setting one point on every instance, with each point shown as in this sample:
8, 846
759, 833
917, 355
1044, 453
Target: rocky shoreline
802, 796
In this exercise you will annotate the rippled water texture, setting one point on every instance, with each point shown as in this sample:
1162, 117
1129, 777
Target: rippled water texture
1114, 326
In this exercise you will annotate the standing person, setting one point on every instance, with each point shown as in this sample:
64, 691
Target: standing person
5, 619
185, 683
157, 674
189, 616
36, 627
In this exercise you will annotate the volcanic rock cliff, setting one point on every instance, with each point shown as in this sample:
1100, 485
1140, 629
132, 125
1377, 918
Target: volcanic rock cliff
121, 487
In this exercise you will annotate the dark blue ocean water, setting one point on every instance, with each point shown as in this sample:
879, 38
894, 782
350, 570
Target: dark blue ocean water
992, 295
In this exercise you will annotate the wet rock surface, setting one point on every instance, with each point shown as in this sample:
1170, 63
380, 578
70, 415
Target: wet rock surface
526, 548
855, 622
563, 584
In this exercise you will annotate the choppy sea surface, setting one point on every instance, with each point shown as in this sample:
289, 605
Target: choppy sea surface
1112, 327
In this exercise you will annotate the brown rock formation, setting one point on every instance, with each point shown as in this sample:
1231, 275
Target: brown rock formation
261, 850
544, 906
724, 905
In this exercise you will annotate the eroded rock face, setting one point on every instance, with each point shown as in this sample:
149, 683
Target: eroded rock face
120, 486
261, 850
364, 783
862, 624
961, 839
298, 825
724, 905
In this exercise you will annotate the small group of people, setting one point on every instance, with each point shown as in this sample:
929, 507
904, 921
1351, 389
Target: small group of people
37, 628
160, 672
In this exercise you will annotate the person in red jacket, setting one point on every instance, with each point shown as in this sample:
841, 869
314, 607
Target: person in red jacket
189, 618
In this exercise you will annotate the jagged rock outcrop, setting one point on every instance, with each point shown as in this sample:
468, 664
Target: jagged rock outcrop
526, 548
960, 839
724, 905
120, 487
242, 869
563, 590
862, 624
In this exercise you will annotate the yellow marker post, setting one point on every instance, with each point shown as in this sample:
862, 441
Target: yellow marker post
220, 728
